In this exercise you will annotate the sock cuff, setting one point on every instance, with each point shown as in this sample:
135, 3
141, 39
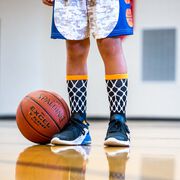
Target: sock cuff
77, 77
116, 76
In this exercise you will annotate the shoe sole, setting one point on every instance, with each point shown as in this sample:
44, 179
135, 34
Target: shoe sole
57, 141
115, 142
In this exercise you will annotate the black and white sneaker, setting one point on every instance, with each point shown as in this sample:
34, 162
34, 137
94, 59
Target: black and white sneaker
75, 133
118, 133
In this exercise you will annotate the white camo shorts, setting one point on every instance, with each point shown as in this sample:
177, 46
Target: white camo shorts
77, 19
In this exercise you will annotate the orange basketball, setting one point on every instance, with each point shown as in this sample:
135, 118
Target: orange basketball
40, 115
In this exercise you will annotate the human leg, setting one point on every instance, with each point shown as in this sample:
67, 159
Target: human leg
76, 132
117, 83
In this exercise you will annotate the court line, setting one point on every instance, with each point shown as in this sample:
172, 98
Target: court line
56, 168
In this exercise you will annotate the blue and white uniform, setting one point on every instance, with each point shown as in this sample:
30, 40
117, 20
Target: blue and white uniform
77, 19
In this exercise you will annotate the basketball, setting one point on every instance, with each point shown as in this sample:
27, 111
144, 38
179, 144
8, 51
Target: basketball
40, 115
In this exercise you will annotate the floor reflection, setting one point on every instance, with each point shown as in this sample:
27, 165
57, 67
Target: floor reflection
58, 162
154, 155
117, 158
157, 167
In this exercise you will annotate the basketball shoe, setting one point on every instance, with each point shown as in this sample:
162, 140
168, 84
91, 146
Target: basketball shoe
118, 133
75, 133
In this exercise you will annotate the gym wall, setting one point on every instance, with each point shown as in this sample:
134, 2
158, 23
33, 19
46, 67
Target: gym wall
30, 60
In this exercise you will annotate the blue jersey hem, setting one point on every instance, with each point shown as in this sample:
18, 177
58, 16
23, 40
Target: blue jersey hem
123, 32
57, 36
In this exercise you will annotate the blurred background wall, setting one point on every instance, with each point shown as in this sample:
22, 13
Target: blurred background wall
30, 60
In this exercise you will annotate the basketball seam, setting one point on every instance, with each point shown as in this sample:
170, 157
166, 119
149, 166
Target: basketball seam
45, 111
67, 114
31, 125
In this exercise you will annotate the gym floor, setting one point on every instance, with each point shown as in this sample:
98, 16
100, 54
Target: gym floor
154, 155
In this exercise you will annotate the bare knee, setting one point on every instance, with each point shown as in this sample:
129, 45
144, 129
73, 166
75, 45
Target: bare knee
109, 47
77, 50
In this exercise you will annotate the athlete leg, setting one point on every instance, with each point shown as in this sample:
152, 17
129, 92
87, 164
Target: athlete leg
77, 52
112, 54
117, 84
76, 132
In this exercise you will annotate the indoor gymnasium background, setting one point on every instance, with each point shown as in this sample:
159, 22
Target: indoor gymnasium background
30, 60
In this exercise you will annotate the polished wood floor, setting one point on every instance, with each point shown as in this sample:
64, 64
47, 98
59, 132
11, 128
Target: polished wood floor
154, 155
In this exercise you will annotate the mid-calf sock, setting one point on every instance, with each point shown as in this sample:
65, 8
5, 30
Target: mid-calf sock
77, 90
117, 88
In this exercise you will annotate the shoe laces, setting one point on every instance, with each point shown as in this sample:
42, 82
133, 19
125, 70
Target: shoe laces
77, 122
117, 126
